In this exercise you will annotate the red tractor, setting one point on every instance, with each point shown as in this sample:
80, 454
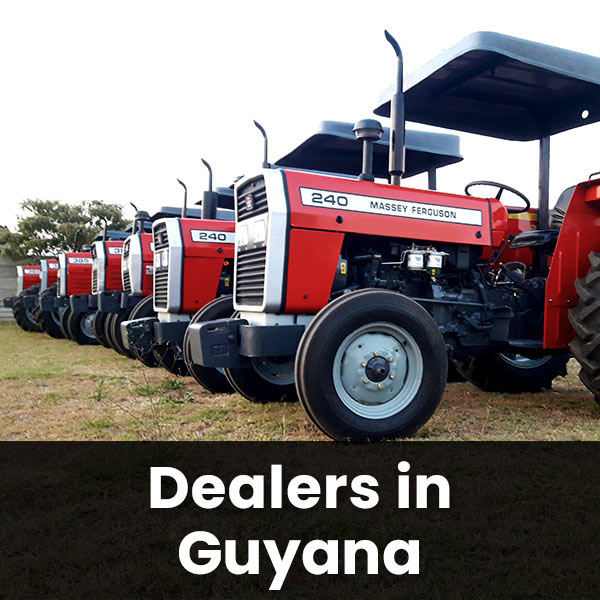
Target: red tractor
426, 275
48, 320
28, 285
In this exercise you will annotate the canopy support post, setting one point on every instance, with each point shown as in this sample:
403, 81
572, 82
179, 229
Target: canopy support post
544, 183
432, 178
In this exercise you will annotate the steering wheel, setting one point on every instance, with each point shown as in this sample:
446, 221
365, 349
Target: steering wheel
501, 187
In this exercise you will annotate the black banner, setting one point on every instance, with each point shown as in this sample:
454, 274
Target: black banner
522, 520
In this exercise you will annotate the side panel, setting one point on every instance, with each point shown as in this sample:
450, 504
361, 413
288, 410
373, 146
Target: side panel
52, 271
352, 206
31, 275
208, 238
79, 273
200, 282
114, 254
312, 263
148, 264
578, 237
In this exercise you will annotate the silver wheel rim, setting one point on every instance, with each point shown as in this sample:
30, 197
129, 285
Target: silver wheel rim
362, 355
522, 362
30, 317
55, 317
87, 325
276, 372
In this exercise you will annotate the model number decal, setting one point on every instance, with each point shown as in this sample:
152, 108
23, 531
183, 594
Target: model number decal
394, 208
215, 237
52, 266
76, 260
149, 270
114, 250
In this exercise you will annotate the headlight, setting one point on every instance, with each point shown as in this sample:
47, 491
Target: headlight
161, 258
259, 232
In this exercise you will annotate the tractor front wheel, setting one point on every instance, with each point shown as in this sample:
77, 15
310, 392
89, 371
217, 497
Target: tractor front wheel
170, 357
371, 366
49, 320
99, 326
585, 319
80, 326
213, 380
25, 317
143, 310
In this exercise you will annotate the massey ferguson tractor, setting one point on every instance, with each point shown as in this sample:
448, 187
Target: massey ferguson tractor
48, 320
203, 269
354, 294
28, 286
192, 266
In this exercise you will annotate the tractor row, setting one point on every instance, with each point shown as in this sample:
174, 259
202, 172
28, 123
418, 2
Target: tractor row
323, 278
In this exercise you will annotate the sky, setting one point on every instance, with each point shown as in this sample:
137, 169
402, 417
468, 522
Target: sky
115, 100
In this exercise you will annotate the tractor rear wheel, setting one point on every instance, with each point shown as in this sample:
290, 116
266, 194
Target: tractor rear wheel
143, 310
80, 326
213, 380
49, 320
585, 319
514, 373
371, 365
99, 328
25, 317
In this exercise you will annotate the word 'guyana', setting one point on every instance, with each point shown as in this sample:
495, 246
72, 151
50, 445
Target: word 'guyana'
201, 552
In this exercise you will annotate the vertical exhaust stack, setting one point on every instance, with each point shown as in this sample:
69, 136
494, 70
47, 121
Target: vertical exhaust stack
398, 120
184, 207
265, 164
104, 228
209, 199
76, 241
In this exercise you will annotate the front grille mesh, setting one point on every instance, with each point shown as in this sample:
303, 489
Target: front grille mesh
95, 279
127, 282
250, 276
161, 275
251, 199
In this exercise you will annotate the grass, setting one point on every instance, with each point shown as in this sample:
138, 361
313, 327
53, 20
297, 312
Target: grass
56, 390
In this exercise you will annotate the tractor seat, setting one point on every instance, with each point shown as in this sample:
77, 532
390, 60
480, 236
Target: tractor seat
545, 239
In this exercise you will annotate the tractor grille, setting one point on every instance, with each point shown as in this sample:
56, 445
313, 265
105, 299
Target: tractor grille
161, 275
251, 199
161, 239
127, 282
250, 276
95, 279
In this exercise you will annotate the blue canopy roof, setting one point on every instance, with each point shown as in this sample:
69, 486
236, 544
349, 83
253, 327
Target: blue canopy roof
503, 87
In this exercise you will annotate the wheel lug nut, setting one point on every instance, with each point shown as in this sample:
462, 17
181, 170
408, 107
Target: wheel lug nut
391, 359
392, 376
365, 380
363, 364
375, 353
379, 386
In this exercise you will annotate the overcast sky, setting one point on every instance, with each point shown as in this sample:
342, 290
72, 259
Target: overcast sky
114, 100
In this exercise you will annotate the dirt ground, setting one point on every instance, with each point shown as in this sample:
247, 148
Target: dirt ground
56, 390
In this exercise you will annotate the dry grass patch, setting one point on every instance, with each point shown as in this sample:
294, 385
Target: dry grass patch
56, 390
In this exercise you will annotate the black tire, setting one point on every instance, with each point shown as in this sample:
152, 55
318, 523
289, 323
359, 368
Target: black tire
408, 341
114, 333
170, 357
79, 325
514, 374
585, 319
49, 320
210, 379
63, 321
100, 328
25, 317
143, 310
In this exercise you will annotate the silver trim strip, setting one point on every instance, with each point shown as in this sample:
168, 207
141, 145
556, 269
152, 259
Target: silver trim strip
174, 300
19, 279
277, 225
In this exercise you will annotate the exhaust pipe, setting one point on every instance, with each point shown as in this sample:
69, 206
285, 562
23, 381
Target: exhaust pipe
265, 164
209, 198
398, 119
184, 208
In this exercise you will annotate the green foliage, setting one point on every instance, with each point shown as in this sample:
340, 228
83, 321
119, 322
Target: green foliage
51, 226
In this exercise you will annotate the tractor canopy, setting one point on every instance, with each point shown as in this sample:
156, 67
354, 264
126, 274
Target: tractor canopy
335, 149
503, 87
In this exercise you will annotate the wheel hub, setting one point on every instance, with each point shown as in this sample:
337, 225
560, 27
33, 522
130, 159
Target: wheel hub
377, 369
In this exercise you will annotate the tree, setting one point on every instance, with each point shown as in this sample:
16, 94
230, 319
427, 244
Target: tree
52, 226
